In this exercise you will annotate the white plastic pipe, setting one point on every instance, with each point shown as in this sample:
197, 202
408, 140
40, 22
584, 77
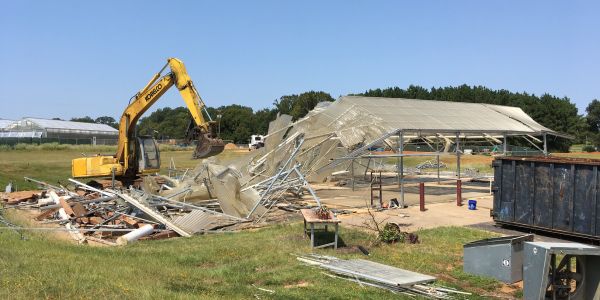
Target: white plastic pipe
46, 201
54, 197
135, 235
63, 215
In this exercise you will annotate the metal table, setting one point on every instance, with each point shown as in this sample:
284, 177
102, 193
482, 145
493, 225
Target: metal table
311, 218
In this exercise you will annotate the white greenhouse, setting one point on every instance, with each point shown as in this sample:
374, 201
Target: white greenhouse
43, 130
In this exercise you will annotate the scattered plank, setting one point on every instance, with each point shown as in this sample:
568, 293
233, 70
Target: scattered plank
68, 210
18, 197
78, 210
46, 214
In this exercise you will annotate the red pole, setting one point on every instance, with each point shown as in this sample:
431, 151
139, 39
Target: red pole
422, 196
459, 193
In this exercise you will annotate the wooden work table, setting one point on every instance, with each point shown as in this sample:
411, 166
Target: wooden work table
311, 218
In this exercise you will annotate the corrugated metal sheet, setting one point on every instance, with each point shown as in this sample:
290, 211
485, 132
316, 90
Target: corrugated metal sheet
378, 272
198, 220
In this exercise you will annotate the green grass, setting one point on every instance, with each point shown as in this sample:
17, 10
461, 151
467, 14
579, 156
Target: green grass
576, 147
221, 266
54, 166
482, 163
579, 155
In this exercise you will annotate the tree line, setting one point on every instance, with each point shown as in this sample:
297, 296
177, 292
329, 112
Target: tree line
238, 122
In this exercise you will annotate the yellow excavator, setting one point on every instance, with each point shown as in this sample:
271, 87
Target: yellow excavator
139, 154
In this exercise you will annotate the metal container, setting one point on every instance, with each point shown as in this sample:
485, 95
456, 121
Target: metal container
500, 258
548, 193
561, 271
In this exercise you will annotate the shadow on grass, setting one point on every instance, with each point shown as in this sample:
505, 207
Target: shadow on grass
323, 237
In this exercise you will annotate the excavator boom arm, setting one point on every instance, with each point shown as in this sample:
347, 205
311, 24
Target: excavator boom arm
188, 92
126, 156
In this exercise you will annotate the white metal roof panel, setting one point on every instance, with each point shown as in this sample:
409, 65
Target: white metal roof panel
60, 124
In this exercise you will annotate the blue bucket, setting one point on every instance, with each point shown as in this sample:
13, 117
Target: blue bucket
472, 204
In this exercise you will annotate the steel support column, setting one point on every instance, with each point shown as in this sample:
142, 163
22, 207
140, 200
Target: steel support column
545, 145
458, 155
401, 169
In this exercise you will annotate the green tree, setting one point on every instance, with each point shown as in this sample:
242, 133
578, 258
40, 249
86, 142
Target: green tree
593, 121
593, 115
165, 123
237, 123
285, 104
262, 118
299, 105
85, 119
110, 121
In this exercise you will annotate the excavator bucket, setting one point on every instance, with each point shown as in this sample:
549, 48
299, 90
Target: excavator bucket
207, 147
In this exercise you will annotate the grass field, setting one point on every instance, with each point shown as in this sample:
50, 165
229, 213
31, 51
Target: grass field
482, 163
224, 266
592, 155
210, 266
54, 165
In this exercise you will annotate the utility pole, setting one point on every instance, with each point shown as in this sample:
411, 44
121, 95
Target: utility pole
219, 121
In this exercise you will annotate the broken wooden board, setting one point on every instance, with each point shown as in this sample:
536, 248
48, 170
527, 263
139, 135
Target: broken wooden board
46, 214
78, 210
66, 207
18, 197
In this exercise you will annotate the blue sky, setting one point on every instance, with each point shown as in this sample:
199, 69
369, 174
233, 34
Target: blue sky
76, 58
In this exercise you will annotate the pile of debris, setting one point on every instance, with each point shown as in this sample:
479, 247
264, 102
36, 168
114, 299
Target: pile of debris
211, 197
116, 216
430, 164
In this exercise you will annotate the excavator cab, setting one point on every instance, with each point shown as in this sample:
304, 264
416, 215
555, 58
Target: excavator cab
148, 155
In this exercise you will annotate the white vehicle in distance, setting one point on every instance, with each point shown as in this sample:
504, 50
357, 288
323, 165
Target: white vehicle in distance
256, 141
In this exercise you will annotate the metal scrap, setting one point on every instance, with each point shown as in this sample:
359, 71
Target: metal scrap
114, 216
379, 275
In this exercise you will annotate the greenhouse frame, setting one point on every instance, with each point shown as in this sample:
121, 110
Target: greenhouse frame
37, 130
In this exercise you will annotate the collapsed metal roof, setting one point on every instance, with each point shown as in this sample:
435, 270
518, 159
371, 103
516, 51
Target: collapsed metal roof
425, 115
358, 120
350, 126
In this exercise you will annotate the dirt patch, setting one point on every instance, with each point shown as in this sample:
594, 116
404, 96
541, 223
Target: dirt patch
508, 289
299, 284
25, 218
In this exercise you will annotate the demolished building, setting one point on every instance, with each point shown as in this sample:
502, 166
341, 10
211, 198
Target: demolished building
334, 138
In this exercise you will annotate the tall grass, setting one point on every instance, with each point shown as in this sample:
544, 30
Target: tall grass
57, 147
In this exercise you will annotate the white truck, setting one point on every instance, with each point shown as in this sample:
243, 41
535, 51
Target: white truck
256, 141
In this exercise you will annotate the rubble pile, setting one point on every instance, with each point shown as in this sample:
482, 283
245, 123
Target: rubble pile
116, 216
